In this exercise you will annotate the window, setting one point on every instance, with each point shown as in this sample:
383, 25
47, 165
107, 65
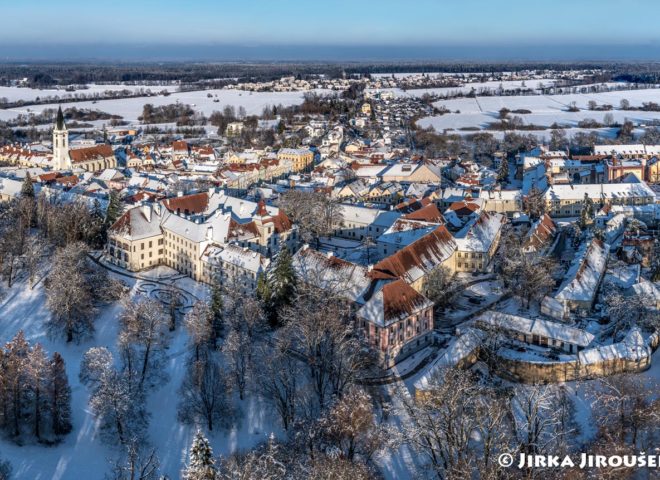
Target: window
150, 243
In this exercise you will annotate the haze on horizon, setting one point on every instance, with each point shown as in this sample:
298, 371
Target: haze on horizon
335, 30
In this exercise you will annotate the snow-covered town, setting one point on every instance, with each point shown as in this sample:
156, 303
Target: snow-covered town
323, 269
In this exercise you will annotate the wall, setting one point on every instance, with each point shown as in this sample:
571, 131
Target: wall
552, 372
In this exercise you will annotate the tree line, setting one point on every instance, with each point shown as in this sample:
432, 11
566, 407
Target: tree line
35, 397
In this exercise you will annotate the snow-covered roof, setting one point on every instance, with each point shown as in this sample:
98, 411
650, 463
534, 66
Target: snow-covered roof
458, 349
404, 232
240, 257
637, 149
632, 348
536, 326
417, 259
479, 234
585, 272
393, 302
606, 191
647, 291
9, 187
330, 273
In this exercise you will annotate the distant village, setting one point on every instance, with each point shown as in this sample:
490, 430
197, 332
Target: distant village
432, 252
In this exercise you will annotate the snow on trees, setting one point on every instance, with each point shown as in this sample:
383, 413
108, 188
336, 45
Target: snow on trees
115, 399
202, 464
35, 398
74, 288
526, 275
350, 427
199, 323
138, 463
143, 340
319, 328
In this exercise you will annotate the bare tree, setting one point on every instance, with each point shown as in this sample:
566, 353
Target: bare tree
536, 418
237, 350
143, 339
350, 426
625, 411
279, 378
118, 405
319, 328
316, 214
199, 322
441, 422
139, 463
69, 296
527, 275
203, 394
441, 287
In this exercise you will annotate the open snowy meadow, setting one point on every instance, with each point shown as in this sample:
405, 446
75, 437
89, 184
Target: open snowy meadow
545, 110
203, 101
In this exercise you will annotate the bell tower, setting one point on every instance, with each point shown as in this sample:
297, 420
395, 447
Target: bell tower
61, 160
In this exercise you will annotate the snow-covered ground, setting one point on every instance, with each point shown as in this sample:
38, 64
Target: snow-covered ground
82, 454
546, 109
131, 108
13, 94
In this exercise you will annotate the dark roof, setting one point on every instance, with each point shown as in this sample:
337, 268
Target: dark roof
60, 119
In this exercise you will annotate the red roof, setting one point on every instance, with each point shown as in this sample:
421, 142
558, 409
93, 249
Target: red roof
400, 300
98, 152
424, 254
190, 204
429, 213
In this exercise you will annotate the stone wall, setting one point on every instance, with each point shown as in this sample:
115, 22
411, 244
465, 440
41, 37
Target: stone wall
526, 371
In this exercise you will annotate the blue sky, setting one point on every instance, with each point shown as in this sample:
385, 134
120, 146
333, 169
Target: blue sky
403, 23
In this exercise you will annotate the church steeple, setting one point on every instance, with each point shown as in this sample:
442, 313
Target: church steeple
61, 159
59, 124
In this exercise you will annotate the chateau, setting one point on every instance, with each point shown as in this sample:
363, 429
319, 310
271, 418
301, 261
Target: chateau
203, 235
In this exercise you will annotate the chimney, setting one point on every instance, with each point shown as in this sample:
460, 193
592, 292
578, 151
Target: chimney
179, 193
209, 233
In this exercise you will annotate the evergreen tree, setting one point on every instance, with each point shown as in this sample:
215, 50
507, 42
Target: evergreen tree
503, 172
27, 189
60, 396
265, 295
587, 213
202, 465
114, 210
37, 371
282, 283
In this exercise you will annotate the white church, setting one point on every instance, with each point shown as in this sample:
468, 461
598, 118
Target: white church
91, 159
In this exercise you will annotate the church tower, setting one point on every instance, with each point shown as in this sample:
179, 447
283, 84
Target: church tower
61, 160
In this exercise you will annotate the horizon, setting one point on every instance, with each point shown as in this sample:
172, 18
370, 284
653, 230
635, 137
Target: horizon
256, 30
156, 53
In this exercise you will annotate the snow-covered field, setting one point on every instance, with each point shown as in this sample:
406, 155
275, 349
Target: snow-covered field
546, 109
13, 94
131, 108
82, 454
